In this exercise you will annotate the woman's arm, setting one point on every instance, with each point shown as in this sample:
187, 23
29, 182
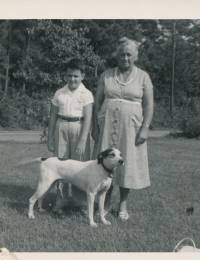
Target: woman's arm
51, 128
86, 126
99, 97
148, 107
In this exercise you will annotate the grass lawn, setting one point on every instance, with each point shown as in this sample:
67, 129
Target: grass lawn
158, 218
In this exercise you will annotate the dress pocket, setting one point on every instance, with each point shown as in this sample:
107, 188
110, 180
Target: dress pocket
135, 122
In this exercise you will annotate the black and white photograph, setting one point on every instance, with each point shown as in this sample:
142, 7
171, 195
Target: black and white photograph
99, 135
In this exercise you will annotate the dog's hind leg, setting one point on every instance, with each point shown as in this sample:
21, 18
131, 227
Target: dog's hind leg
60, 187
69, 190
40, 192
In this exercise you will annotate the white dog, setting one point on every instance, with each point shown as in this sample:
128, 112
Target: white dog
94, 177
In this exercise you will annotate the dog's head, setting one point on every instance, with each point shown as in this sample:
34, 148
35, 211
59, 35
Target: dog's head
111, 158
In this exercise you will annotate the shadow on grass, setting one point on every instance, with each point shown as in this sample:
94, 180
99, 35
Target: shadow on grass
17, 197
14, 192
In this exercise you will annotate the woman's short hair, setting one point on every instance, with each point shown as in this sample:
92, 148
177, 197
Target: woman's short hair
75, 64
124, 41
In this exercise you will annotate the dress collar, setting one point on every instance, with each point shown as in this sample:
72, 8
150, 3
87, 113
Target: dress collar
132, 76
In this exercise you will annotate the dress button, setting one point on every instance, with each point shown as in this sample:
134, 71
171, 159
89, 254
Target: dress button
115, 121
114, 135
113, 144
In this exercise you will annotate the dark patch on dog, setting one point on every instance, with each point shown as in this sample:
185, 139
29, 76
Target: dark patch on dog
43, 159
189, 211
61, 159
103, 155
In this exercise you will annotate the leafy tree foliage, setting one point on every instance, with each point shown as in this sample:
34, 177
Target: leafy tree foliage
48, 46
33, 54
38, 52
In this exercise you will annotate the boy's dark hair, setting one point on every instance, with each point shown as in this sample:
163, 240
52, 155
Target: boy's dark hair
75, 64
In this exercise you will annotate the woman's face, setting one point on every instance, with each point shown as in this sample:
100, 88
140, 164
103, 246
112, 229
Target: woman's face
126, 57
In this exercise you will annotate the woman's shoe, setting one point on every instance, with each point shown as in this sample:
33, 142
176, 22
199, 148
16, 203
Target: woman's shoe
123, 215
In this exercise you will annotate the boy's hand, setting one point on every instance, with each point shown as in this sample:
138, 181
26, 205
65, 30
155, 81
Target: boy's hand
142, 136
80, 148
51, 145
95, 133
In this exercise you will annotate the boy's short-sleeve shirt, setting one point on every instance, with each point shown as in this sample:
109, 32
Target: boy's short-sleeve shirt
71, 103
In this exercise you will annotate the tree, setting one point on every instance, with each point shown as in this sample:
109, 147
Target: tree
33, 54
52, 44
5, 48
38, 52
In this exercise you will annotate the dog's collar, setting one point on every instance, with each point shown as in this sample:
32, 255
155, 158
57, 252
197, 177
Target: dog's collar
110, 175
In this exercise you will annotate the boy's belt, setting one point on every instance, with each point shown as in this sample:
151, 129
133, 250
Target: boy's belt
70, 119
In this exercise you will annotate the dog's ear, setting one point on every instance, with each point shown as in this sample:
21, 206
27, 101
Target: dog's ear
100, 158
103, 155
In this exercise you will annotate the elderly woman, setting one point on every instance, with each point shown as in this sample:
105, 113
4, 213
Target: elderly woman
123, 113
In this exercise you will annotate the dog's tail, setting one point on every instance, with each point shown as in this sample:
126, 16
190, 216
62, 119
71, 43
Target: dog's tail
30, 160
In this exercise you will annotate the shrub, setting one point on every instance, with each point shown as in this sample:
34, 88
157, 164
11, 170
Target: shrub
23, 111
190, 123
191, 127
185, 117
161, 117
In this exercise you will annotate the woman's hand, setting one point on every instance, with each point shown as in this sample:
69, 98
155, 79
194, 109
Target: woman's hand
142, 135
51, 144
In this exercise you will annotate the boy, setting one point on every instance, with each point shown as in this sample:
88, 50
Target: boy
70, 119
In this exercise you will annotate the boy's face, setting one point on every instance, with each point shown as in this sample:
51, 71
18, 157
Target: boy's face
74, 78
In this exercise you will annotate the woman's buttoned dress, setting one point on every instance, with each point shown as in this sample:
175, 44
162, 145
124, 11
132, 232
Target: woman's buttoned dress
119, 120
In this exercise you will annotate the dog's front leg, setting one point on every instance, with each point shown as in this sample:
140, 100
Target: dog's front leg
90, 201
101, 208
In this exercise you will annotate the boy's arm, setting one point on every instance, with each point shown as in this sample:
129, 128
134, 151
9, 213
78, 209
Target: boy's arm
99, 98
86, 126
51, 127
